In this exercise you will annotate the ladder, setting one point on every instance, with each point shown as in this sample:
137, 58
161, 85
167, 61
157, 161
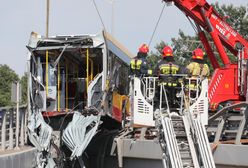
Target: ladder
177, 145
184, 142
228, 123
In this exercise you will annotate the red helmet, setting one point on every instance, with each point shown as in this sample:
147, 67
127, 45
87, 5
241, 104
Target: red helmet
167, 52
144, 49
198, 54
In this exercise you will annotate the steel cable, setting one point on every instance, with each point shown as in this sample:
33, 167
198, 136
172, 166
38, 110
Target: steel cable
156, 25
99, 15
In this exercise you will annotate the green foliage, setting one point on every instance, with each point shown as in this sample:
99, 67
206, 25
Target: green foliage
160, 47
236, 17
7, 76
152, 60
24, 84
182, 49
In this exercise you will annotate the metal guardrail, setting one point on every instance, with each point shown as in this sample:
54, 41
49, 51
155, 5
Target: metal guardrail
12, 135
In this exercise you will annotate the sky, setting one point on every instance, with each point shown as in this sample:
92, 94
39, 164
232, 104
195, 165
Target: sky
134, 22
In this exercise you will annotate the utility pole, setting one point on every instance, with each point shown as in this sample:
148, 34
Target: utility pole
47, 34
47, 17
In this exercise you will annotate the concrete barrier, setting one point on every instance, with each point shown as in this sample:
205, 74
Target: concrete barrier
24, 158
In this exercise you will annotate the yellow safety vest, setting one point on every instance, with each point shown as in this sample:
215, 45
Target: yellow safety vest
136, 64
197, 69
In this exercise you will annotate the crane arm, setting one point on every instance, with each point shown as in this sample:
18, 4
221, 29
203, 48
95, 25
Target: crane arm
222, 34
228, 84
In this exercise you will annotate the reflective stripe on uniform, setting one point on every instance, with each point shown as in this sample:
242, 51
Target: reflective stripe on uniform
191, 86
136, 64
168, 69
168, 84
149, 72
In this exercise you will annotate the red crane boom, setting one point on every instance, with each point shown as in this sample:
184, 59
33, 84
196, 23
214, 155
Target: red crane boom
229, 82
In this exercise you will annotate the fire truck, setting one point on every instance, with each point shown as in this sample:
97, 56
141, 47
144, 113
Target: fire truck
229, 82
227, 91
184, 133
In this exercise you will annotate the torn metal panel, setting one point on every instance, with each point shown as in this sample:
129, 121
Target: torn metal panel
79, 133
44, 162
33, 40
95, 91
39, 132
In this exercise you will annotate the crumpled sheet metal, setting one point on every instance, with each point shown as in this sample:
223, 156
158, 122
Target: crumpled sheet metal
79, 133
42, 162
40, 132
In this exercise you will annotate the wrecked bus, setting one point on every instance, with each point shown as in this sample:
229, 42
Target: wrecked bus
73, 82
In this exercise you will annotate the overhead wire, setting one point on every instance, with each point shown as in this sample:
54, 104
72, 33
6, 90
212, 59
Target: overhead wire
156, 26
104, 28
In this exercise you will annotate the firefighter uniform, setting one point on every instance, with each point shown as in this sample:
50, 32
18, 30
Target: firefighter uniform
167, 66
138, 65
198, 69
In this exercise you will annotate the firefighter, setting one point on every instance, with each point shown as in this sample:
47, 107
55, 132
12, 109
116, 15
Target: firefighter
197, 68
165, 68
167, 65
139, 64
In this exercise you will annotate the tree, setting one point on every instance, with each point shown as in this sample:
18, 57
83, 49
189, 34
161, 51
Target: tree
236, 17
24, 84
7, 76
182, 47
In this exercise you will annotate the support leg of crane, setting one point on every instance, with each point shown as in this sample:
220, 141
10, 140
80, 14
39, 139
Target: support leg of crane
113, 148
118, 143
219, 131
143, 133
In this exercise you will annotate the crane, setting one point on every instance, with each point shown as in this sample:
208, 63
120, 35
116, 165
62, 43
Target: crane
228, 83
